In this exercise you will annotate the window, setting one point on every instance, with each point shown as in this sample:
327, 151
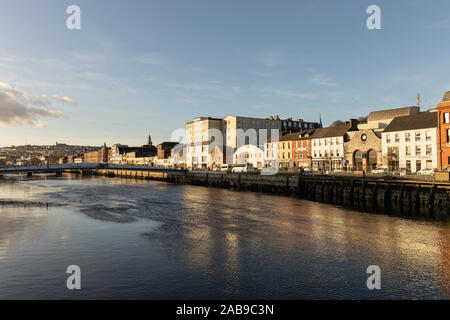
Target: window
388, 138
417, 135
417, 150
428, 150
446, 117
397, 137
428, 135
306, 154
448, 135
408, 165
407, 137
429, 164
408, 150
418, 165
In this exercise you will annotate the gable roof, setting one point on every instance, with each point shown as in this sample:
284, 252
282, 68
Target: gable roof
301, 135
392, 113
422, 120
335, 131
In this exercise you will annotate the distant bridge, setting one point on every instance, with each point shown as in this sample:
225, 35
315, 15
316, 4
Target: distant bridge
59, 168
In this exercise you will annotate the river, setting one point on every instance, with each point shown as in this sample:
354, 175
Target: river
153, 240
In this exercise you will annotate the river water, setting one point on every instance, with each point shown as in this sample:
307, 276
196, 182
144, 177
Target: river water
153, 240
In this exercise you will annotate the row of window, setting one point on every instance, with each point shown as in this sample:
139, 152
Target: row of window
418, 150
325, 154
295, 144
326, 142
407, 136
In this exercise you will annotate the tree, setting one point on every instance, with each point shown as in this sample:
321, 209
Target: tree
337, 123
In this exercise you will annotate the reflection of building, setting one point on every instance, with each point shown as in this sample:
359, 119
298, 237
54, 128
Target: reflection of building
410, 142
443, 111
363, 150
328, 146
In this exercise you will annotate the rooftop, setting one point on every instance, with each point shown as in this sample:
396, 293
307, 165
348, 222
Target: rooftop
392, 113
422, 120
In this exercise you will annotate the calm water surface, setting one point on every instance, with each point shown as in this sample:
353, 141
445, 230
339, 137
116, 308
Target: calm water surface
152, 240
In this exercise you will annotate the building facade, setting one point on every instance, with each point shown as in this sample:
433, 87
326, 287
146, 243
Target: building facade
443, 114
327, 146
410, 142
363, 150
202, 134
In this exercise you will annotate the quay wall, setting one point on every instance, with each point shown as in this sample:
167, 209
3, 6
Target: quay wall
419, 200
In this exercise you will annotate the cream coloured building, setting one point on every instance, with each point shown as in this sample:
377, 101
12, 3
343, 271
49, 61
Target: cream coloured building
410, 142
200, 135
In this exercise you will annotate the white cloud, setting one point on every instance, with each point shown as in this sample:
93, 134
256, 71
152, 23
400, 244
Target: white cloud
18, 108
64, 99
322, 80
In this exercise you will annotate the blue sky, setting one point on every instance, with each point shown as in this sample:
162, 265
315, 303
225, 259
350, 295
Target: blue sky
139, 67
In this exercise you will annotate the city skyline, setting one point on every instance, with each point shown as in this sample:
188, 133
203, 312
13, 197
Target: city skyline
171, 62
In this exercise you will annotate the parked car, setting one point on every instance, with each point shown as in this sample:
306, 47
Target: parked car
401, 172
426, 172
379, 171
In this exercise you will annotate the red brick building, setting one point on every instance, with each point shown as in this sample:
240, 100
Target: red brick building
443, 111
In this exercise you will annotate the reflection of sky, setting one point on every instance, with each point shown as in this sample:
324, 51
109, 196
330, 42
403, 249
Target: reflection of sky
158, 240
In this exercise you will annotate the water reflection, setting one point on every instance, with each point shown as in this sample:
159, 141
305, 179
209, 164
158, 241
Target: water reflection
213, 243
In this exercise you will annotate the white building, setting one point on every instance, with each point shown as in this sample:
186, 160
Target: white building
200, 133
249, 154
327, 146
410, 142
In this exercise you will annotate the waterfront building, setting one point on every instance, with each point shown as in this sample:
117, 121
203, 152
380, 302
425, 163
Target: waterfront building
249, 154
410, 142
272, 153
118, 153
164, 149
295, 149
258, 131
217, 157
101, 155
178, 155
202, 134
327, 146
443, 113
378, 120
363, 150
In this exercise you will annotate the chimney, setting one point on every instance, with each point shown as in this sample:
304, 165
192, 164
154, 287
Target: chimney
352, 124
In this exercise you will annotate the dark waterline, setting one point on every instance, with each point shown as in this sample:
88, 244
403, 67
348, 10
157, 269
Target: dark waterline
153, 240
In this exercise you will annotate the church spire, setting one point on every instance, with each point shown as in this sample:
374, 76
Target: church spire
320, 121
149, 140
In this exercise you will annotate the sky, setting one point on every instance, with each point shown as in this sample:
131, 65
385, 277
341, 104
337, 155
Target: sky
147, 67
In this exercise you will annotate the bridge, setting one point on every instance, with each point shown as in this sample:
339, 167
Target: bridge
79, 167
